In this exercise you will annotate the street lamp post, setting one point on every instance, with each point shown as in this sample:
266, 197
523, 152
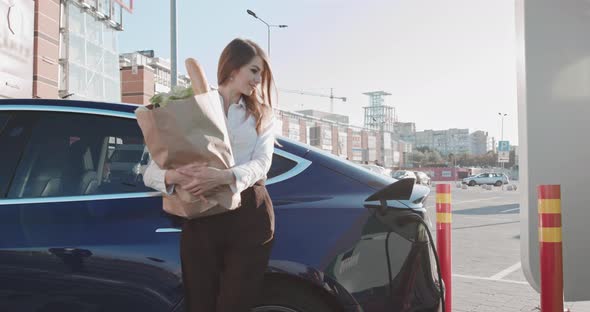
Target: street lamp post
173, 60
454, 171
268, 26
502, 133
502, 138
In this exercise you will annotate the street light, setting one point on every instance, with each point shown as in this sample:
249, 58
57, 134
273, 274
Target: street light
268, 26
502, 116
173, 46
502, 138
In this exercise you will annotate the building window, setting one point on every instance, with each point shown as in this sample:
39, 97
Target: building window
342, 143
92, 67
326, 138
294, 130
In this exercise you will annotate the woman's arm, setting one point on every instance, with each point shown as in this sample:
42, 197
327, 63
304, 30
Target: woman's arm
159, 179
238, 177
248, 173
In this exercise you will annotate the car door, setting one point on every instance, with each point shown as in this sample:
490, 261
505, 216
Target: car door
482, 178
493, 178
73, 237
486, 178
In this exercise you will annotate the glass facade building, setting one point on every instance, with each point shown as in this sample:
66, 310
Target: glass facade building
89, 56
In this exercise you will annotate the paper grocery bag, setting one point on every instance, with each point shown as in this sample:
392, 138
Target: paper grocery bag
187, 131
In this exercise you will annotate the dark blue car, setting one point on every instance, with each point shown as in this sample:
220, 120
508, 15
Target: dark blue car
77, 235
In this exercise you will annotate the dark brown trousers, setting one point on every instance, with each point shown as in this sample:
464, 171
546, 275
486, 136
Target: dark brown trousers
224, 256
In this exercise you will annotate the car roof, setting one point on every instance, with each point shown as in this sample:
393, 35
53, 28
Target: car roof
118, 107
294, 146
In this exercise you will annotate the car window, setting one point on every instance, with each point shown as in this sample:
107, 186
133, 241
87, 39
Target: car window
68, 155
280, 165
4, 117
122, 154
402, 173
14, 132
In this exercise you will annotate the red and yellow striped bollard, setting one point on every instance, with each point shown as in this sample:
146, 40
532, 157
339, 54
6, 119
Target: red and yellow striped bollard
443, 237
550, 248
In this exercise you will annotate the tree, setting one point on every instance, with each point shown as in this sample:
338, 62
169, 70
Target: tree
424, 149
434, 158
418, 158
490, 159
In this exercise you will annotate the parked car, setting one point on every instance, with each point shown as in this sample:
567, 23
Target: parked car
140, 168
422, 178
71, 240
404, 174
419, 176
377, 169
126, 156
491, 178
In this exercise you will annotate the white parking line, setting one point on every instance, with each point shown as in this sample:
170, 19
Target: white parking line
504, 211
489, 279
473, 200
506, 272
484, 218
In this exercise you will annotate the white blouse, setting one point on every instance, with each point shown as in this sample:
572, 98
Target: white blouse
252, 151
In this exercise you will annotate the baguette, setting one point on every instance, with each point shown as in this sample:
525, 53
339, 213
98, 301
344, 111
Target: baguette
197, 76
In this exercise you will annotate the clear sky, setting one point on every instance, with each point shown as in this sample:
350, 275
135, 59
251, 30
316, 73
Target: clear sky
447, 64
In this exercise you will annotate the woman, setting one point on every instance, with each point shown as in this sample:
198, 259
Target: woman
224, 256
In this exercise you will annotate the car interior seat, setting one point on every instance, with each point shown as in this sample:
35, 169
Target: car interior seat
42, 174
81, 176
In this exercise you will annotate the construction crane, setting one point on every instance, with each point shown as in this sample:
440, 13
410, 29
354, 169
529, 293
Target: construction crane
331, 96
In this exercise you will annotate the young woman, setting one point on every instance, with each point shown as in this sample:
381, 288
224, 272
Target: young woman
224, 256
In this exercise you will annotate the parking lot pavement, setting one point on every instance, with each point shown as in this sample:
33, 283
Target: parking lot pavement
487, 273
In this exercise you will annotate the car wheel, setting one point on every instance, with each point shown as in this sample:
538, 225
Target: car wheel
283, 296
471, 183
498, 183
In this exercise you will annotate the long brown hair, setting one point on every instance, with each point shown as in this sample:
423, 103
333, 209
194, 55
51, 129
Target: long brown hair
238, 53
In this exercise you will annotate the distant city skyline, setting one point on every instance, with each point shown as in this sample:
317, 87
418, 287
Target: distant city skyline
451, 70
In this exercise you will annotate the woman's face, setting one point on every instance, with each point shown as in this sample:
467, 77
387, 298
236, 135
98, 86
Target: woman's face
249, 76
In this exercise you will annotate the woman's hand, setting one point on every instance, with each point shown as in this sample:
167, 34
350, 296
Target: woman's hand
204, 179
181, 180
